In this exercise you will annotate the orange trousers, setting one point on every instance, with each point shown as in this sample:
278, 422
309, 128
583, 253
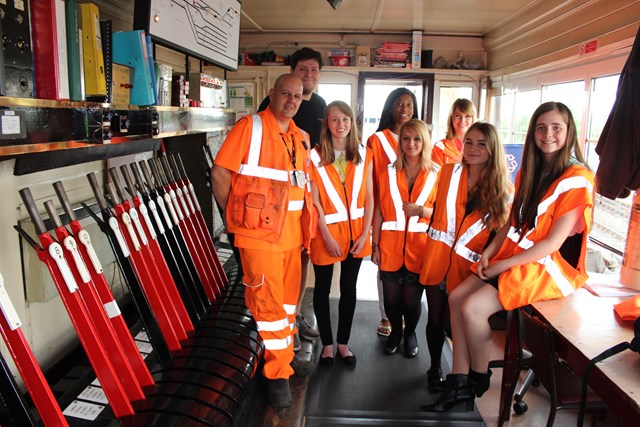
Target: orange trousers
272, 286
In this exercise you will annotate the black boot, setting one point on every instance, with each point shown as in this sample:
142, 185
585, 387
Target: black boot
435, 383
456, 390
479, 382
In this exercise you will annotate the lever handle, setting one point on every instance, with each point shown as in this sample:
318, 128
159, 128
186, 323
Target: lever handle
64, 200
93, 181
53, 214
30, 204
115, 178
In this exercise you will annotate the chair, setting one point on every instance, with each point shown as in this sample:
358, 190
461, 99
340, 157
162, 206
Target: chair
563, 385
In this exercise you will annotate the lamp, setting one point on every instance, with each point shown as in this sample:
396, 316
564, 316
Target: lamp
335, 4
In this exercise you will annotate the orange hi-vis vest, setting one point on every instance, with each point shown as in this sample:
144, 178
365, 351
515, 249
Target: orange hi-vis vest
343, 206
262, 195
446, 151
383, 145
402, 239
550, 277
454, 240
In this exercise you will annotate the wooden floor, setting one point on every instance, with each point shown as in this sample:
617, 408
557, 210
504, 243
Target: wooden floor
256, 411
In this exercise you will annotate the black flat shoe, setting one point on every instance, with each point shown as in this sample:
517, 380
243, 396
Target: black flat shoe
392, 344
410, 346
348, 360
327, 360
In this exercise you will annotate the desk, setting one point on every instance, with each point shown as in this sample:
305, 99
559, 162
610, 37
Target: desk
586, 325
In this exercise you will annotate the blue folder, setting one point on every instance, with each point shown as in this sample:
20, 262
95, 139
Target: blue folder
130, 48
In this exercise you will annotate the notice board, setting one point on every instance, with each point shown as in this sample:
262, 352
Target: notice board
206, 29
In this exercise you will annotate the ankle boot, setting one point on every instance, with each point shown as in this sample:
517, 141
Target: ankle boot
435, 383
456, 390
479, 382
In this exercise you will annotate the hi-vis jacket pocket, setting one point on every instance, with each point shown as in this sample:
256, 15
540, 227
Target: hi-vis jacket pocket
253, 282
258, 207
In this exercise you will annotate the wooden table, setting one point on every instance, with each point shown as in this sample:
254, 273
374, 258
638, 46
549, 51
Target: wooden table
586, 325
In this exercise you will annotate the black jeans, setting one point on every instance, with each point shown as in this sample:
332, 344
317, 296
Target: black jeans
347, 306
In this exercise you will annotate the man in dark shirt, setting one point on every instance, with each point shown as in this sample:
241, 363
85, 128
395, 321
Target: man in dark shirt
306, 64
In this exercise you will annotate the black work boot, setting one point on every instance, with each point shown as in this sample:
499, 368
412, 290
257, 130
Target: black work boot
479, 381
302, 368
456, 390
279, 393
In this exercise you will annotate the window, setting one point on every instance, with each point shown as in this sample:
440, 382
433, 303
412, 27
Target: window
571, 94
448, 95
335, 92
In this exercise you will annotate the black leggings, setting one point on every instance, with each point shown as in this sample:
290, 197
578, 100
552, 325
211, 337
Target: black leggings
438, 322
402, 300
349, 269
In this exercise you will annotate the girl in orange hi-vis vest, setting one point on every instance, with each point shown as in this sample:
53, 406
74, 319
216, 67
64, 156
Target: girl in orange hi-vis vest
400, 223
538, 255
471, 205
461, 116
342, 189
399, 108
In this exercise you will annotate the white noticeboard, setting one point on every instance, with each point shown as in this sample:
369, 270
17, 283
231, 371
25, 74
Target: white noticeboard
207, 29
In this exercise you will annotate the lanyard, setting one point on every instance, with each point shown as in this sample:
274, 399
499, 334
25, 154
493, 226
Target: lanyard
292, 153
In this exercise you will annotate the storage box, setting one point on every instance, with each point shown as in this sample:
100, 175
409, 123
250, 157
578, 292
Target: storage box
120, 84
363, 56
164, 84
416, 49
208, 90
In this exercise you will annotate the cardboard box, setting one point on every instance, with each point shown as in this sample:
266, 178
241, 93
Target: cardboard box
416, 49
363, 56
120, 84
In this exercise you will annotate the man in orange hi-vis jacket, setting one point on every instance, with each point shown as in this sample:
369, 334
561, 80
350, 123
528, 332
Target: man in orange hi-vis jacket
261, 177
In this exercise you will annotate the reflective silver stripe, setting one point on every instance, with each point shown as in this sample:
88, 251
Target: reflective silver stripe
387, 146
440, 236
341, 211
414, 225
564, 285
277, 344
461, 245
274, 326
256, 140
262, 172
400, 222
295, 205
358, 177
251, 168
567, 184
452, 198
440, 145
112, 309
289, 308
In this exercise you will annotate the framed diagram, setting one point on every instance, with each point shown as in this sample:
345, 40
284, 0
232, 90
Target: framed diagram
206, 29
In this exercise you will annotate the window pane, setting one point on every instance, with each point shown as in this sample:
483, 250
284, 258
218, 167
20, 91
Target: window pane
525, 104
375, 95
448, 95
335, 92
571, 94
502, 115
603, 95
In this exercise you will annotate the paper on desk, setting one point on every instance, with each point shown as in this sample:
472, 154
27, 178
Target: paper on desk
608, 285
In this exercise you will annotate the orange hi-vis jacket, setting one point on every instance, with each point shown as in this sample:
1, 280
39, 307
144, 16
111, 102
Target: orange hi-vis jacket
454, 240
343, 205
402, 239
264, 209
446, 151
384, 146
550, 277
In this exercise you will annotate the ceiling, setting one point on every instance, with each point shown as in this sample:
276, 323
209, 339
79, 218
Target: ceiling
433, 17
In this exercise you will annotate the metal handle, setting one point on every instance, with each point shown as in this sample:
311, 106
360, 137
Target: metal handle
147, 174
124, 170
179, 163
138, 177
64, 200
167, 170
115, 178
177, 173
53, 214
30, 204
93, 181
155, 169
112, 195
